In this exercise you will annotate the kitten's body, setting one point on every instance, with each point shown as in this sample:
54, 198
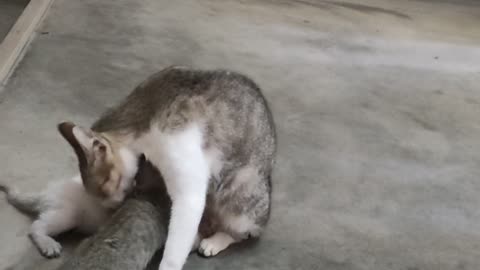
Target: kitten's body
211, 135
133, 234
62, 206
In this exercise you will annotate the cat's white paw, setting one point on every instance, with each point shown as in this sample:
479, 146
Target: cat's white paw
213, 245
48, 247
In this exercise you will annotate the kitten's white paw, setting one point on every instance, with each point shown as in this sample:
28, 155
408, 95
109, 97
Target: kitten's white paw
48, 247
213, 245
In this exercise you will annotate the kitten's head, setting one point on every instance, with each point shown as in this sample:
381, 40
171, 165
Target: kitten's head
107, 170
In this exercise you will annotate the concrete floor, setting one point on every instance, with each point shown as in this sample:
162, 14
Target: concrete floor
376, 102
10, 10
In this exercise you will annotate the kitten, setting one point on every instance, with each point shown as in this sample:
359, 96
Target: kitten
65, 205
212, 136
134, 233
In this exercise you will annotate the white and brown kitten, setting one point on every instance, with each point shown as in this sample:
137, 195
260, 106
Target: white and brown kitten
211, 135
66, 205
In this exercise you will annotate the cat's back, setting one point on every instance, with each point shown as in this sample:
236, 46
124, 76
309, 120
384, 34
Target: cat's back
185, 94
230, 105
176, 96
177, 81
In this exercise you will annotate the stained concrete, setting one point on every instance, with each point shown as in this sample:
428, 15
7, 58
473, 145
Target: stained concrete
376, 102
10, 10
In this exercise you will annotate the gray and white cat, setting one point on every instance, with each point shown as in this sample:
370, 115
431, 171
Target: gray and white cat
211, 135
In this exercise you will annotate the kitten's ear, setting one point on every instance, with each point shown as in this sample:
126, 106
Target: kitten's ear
99, 149
83, 141
80, 140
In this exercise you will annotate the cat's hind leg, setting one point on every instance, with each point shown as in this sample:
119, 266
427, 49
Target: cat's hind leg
236, 228
48, 224
214, 244
244, 209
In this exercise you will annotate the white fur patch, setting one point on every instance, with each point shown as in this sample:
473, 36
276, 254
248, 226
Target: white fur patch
215, 161
242, 223
216, 243
185, 168
247, 177
180, 158
82, 137
130, 162
70, 196
64, 205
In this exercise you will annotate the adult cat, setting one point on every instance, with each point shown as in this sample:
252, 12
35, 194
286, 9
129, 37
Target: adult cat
211, 135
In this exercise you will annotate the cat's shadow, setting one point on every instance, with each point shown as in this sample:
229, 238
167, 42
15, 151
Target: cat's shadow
31, 258
155, 261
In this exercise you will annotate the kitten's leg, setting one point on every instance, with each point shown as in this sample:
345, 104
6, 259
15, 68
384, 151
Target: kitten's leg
185, 169
50, 223
214, 244
28, 203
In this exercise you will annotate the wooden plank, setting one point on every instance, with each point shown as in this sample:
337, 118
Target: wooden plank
14, 44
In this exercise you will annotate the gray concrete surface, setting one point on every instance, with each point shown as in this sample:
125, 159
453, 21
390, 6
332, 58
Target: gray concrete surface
377, 105
10, 10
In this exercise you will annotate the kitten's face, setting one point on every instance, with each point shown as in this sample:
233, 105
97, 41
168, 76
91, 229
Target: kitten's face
107, 171
107, 178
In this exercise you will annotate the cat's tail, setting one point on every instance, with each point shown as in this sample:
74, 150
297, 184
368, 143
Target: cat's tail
28, 204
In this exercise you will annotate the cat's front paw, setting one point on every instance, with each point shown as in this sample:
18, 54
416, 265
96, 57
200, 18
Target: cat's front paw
48, 247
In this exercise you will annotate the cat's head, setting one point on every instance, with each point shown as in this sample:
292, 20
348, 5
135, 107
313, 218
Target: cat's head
107, 170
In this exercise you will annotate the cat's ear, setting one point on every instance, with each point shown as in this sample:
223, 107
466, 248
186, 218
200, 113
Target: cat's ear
85, 144
80, 140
